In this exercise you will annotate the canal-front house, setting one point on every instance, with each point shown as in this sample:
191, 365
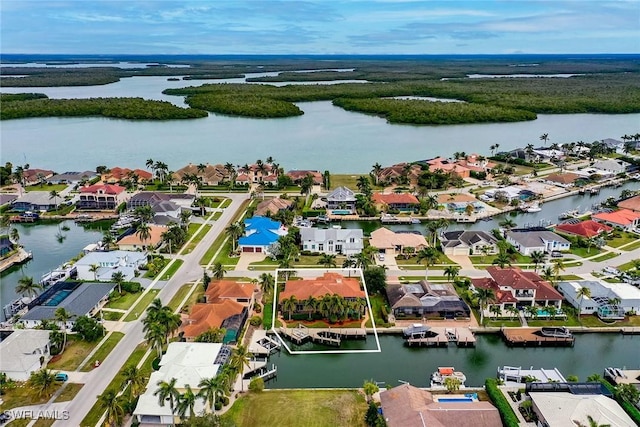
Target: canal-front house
426, 300
332, 241
392, 243
271, 207
117, 175
341, 199
400, 202
207, 173
100, 266
309, 290
624, 218
468, 242
39, 201
102, 197
72, 177
260, 233
133, 242
516, 289
527, 241
23, 352
608, 300
587, 229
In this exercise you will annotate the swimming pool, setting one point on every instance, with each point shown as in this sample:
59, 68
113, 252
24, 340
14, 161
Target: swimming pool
58, 297
341, 212
455, 399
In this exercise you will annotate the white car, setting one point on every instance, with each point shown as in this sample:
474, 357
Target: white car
381, 256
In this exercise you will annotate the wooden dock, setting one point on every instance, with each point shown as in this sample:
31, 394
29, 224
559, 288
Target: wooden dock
327, 336
441, 337
532, 337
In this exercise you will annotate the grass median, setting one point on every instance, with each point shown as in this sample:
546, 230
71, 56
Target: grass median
179, 296
104, 350
142, 305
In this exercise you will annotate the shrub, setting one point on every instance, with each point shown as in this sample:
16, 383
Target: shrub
256, 385
132, 287
255, 321
506, 413
267, 316
257, 308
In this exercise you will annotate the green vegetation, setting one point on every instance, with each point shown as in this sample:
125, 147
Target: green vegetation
267, 316
69, 392
124, 301
8, 97
380, 309
193, 228
605, 257
249, 106
622, 239
179, 296
104, 350
75, 352
112, 316
500, 401
142, 305
172, 269
120, 108
47, 187
633, 246
313, 408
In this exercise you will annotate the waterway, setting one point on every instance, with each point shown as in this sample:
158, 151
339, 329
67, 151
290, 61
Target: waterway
396, 362
48, 252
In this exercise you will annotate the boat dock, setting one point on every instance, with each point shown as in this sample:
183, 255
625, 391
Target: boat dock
441, 337
527, 337
17, 258
518, 375
258, 368
327, 336
393, 219
263, 345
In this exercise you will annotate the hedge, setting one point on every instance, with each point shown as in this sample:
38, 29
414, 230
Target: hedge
509, 418
267, 315
631, 410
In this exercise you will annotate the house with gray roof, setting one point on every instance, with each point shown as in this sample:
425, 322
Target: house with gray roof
425, 299
21, 351
79, 299
527, 241
468, 242
127, 262
72, 177
332, 241
6, 199
614, 166
35, 201
341, 198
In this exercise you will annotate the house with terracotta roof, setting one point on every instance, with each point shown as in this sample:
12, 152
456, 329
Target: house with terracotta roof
409, 406
564, 180
225, 313
393, 243
102, 197
632, 203
118, 174
257, 174
133, 242
209, 175
271, 207
448, 165
587, 229
401, 173
36, 176
219, 290
477, 163
395, 201
623, 218
298, 175
513, 287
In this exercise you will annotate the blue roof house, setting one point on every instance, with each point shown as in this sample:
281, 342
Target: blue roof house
260, 234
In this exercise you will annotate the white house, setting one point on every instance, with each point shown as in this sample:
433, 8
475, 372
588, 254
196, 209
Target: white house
187, 362
527, 241
332, 241
614, 166
608, 300
468, 242
562, 409
128, 262
23, 352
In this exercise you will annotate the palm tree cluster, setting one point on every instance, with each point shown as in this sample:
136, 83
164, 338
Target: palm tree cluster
333, 307
160, 324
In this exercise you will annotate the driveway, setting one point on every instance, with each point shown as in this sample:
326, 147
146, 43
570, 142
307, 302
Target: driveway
247, 258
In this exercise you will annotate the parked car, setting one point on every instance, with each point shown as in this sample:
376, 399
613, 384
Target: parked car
381, 256
556, 254
61, 376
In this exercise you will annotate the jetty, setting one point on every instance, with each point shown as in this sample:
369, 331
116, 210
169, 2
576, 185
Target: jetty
263, 345
327, 336
441, 337
533, 337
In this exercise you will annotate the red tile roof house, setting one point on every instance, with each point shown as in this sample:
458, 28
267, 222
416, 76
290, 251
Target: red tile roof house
102, 197
256, 174
118, 174
395, 201
624, 218
516, 288
36, 176
586, 229
297, 176
632, 203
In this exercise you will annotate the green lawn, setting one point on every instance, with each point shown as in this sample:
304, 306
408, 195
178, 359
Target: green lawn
309, 408
481, 259
216, 215
113, 316
177, 263
341, 180
208, 256
633, 246
585, 252
124, 301
76, 351
626, 266
570, 277
594, 322
502, 322
23, 395
104, 350
377, 304
624, 238
223, 256
224, 204
69, 392
47, 188
142, 305
180, 295
605, 257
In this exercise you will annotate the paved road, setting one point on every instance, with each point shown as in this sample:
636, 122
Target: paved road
99, 379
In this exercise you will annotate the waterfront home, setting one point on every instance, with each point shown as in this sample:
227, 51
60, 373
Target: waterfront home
117, 174
632, 203
107, 263
618, 376
36, 176
79, 299
509, 193
23, 352
271, 207
404, 202
333, 241
448, 166
409, 406
608, 300
260, 233
527, 241
342, 199
401, 173
586, 229
564, 180
35, 201
72, 177
329, 283
614, 166
189, 363
624, 218
153, 198
476, 163
544, 154
468, 242
298, 175
257, 173
133, 242
6, 245
7, 199
613, 144
102, 197
219, 290
513, 287
425, 299
223, 313
209, 174
393, 243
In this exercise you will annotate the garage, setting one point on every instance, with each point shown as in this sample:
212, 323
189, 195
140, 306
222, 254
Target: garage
247, 249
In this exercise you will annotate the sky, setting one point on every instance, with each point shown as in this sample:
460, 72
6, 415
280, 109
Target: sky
319, 27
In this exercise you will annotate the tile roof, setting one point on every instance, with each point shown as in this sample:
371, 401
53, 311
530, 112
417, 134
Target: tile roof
119, 174
272, 206
563, 178
632, 203
328, 283
515, 278
297, 175
623, 217
210, 315
105, 188
588, 228
455, 197
395, 198
383, 238
467, 237
154, 239
218, 289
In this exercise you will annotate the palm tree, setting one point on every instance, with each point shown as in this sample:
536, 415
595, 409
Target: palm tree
544, 137
114, 406
507, 223
451, 272
241, 358
532, 311
582, 293
312, 304
552, 310
53, 194
558, 266
62, 316
44, 380
267, 283
118, 277
27, 287
234, 231
133, 376
428, 256
362, 260
370, 388
167, 391
143, 231
484, 295
155, 336
502, 260
108, 240
328, 260
218, 271
377, 168
212, 389
289, 304
186, 402
94, 269
14, 235
538, 257
513, 310
496, 310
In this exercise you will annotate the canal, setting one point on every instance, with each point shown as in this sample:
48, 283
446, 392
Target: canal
396, 362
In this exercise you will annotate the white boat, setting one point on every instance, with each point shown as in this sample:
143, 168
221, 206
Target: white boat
438, 378
533, 207
556, 332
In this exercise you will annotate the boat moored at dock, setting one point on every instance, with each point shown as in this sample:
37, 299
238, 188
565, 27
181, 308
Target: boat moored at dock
439, 377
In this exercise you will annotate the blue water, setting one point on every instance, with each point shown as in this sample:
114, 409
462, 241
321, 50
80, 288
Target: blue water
341, 212
455, 400
58, 297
